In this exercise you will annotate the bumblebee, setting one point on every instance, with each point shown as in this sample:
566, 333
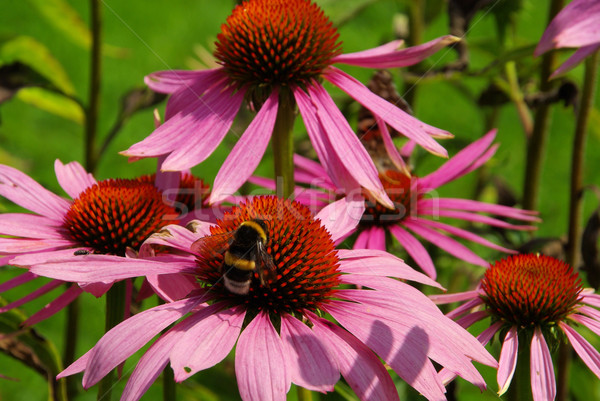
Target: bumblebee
244, 253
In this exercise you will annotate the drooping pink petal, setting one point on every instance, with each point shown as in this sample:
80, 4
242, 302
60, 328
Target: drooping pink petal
73, 178
461, 233
378, 263
208, 341
23, 278
415, 249
247, 152
340, 218
20, 245
96, 289
19, 188
459, 164
590, 298
172, 287
591, 319
362, 239
474, 217
362, 370
471, 318
46, 288
453, 314
107, 268
586, 351
391, 114
260, 365
577, 57
389, 56
123, 340
377, 238
346, 144
55, 306
30, 259
173, 80
576, 25
316, 172
29, 226
151, 365
543, 384
391, 149
76, 367
178, 237
508, 360
310, 364
441, 299
476, 206
188, 94
448, 244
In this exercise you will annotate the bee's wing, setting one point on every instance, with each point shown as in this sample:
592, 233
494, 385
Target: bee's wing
212, 246
266, 266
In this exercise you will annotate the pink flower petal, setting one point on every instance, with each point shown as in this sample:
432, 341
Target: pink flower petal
107, 268
476, 206
584, 349
393, 153
24, 191
377, 239
443, 299
173, 80
310, 364
448, 244
575, 25
362, 239
458, 165
340, 218
391, 114
188, 94
474, 217
178, 237
30, 259
508, 360
23, 278
467, 306
208, 341
415, 249
362, 370
19, 245
29, 226
389, 56
346, 144
96, 289
543, 384
73, 178
55, 306
120, 342
591, 319
314, 170
172, 287
46, 288
247, 152
577, 57
260, 365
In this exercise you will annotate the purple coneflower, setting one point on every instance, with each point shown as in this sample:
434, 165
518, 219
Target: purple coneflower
416, 209
536, 301
101, 223
269, 50
278, 321
578, 26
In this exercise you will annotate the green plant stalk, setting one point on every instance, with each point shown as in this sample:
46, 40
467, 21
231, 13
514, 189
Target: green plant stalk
283, 144
520, 387
93, 109
115, 307
304, 394
416, 27
169, 384
576, 191
71, 342
536, 144
517, 97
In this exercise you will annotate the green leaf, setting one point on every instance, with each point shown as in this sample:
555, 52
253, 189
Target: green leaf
53, 103
29, 347
35, 55
65, 19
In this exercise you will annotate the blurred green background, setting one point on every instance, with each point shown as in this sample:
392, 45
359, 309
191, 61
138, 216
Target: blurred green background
37, 127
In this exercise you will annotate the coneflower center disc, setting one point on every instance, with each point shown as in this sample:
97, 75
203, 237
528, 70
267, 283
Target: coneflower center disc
398, 187
115, 214
276, 42
300, 247
531, 290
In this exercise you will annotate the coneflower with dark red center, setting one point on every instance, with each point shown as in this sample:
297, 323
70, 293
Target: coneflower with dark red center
276, 54
276, 42
533, 298
397, 185
276, 323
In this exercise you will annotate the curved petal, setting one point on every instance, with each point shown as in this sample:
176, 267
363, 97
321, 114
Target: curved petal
120, 342
474, 217
477, 206
23, 278
310, 364
20, 245
362, 370
247, 152
592, 323
172, 287
46, 288
377, 239
415, 249
208, 341
73, 178
340, 218
19, 188
577, 57
30, 226
401, 121
390, 147
315, 170
172, 80
584, 349
543, 384
260, 365
362, 239
442, 299
55, 306
508, 360
389, 56
346, 144
30, 259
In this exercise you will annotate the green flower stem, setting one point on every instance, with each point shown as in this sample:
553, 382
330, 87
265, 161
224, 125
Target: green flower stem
93, 109
536, 145
304, 394
517, 97
115, 306
169, 384
416, 27
283, 144
71, 342
574, 236
520, 387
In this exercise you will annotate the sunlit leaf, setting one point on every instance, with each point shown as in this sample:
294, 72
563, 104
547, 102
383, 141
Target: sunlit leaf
36, 56
53, 103
65, 18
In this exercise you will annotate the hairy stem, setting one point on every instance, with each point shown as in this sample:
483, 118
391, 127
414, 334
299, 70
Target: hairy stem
283, 144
